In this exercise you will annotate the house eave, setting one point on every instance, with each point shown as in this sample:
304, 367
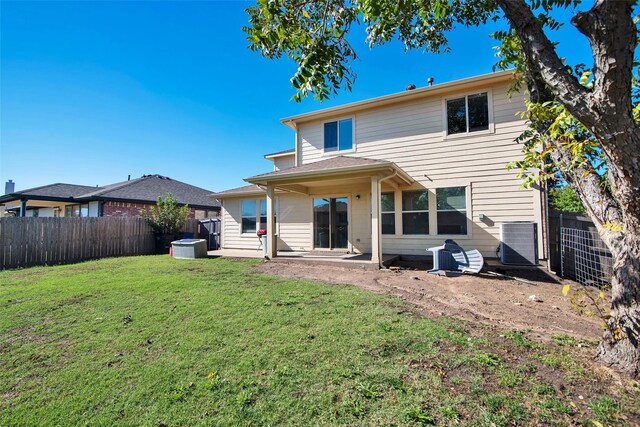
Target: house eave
277, 156
438, 89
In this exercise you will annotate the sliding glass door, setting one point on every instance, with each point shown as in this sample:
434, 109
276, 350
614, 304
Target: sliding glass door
331, 223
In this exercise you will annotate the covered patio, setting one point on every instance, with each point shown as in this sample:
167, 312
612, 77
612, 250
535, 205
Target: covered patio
337, 259
340, 174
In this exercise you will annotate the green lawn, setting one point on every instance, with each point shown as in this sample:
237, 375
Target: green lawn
158, 341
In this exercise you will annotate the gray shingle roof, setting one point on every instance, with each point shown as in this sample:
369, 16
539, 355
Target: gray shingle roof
335, 163
247, 189
59, 190
144, 189
149, 187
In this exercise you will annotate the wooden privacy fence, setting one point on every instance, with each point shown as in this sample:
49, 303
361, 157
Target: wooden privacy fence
26, 241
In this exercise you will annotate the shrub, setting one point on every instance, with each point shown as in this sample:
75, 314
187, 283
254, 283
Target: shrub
166, 217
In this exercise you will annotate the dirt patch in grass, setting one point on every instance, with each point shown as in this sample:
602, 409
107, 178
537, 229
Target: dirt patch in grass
502, 303
542, 346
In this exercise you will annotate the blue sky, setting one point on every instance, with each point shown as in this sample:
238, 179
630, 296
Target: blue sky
91, 92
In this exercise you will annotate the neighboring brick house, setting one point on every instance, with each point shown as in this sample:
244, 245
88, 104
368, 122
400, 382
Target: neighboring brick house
127, 198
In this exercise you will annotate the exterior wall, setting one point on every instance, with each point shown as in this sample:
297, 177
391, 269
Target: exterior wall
232, 238
412, 134
294, 219
295, 226
112, 208
285, 162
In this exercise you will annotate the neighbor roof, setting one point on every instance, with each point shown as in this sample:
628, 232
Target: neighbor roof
57, 190
144, 189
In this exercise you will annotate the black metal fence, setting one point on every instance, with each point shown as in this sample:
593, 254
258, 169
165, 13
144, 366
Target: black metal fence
576, 250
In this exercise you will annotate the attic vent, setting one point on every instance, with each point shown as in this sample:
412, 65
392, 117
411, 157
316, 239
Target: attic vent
519, 243
410, 86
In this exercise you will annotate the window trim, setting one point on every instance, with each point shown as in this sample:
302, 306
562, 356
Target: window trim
255, 217
445, 124
469, 211
466, 203
429, 209
353, 136
431, 188
393, 212
258, 215
80, 207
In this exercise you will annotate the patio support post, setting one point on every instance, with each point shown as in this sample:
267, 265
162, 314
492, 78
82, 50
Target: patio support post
376, 249
271, 229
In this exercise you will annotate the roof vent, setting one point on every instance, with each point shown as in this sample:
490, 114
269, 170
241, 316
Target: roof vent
430, 81
410, 86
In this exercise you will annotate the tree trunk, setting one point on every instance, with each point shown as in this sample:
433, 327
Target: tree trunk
606, 110
619, 347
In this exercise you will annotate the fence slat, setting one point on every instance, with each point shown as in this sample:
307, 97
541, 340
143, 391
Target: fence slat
26, 241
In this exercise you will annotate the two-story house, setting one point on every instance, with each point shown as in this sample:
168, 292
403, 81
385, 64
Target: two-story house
395, 175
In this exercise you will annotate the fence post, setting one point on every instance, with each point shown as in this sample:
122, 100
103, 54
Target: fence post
560, 246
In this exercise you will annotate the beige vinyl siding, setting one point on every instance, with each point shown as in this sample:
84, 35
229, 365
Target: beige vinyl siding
231, 220
294, 222
411, 134
285, 162
295, 219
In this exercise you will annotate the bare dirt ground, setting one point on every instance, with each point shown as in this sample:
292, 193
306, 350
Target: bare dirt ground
502, 303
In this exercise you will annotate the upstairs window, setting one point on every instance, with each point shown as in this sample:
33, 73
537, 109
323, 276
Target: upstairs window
338, 135
452, 210
387, 210
468, 114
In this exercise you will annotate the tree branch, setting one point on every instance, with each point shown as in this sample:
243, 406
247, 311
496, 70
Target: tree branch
594, 195
545, 61
610, 30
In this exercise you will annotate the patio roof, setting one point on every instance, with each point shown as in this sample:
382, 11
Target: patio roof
247, 190
335, 167
284, 153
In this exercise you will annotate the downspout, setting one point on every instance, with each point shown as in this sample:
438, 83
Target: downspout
394, 174
546, 227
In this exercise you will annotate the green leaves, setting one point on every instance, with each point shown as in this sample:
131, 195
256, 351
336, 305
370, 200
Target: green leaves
564, 199
314, 34
166, 217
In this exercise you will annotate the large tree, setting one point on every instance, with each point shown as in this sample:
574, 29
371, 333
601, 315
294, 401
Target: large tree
582, 122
